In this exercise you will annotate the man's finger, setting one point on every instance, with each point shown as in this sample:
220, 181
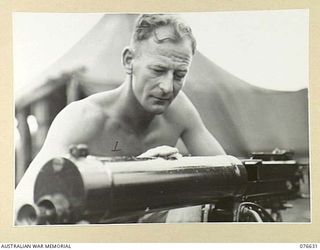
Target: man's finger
161, 151
175, 156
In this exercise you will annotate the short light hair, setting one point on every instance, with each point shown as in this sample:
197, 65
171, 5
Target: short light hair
146, 26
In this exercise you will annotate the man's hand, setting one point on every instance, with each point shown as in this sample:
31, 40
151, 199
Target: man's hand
162, 151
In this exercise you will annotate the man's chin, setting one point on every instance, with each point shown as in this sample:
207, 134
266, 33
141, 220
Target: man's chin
156, 106
158, 109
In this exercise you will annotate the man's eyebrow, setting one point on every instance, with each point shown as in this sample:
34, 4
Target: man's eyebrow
157, 65
180, 70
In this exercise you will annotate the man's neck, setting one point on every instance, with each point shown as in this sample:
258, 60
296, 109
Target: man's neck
130, 110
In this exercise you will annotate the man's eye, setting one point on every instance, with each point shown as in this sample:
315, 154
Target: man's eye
179, 76
158, 71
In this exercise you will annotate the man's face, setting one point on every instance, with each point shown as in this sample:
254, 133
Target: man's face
159, 72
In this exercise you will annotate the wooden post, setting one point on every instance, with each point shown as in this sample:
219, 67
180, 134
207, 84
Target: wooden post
73, 93
24, 149
41, 110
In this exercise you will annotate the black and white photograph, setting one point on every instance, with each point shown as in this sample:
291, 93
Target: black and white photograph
190, 117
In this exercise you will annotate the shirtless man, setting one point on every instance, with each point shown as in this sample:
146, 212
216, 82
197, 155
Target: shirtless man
147, 113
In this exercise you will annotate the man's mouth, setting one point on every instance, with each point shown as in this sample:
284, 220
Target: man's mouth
162, 98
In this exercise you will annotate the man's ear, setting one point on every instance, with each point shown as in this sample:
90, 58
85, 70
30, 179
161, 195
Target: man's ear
127, 58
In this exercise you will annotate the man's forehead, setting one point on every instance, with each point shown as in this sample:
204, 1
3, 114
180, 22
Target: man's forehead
164, 53
179, 51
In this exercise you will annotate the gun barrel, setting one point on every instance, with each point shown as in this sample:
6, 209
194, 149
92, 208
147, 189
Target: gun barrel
71, 189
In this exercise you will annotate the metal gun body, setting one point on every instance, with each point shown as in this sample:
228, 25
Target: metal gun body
80, 187
71, 189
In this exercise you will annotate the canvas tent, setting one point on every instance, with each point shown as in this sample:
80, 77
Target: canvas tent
244, 118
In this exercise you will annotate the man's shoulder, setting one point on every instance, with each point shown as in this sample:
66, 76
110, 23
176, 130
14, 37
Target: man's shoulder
76, 123
82, 112
85, 109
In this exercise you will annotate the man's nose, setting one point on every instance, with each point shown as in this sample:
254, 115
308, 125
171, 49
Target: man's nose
166, 84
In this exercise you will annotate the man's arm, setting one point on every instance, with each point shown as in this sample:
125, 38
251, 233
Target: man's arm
198, 140
73, 125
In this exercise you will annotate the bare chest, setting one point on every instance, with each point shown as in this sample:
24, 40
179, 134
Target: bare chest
117, 140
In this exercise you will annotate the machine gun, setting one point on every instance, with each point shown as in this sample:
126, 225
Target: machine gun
81, 187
